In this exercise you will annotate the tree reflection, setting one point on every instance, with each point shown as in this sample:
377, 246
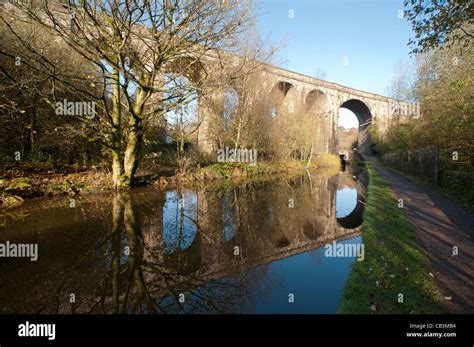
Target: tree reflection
147, 285
154, 251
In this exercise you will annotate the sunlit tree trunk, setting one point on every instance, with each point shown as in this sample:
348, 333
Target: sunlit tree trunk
134, 140
117, 163
132, 153
239, 132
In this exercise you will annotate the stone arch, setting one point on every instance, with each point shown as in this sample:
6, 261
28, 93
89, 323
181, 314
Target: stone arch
281, 89
180, 79
396, 115
170, 81
284, 97
217, 113
181, 97
318, 102
364, 116
230, 100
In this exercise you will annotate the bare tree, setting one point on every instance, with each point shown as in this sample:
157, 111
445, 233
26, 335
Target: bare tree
133, 44
241, 112
401, 84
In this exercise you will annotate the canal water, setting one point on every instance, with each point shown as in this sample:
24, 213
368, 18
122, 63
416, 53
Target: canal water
255, 247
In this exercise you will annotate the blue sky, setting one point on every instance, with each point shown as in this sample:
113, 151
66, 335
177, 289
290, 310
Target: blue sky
368, 32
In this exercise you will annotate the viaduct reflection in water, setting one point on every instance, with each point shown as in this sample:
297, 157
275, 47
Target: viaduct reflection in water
354, 182
222, 250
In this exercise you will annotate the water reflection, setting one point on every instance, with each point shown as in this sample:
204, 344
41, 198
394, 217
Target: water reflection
179, 218
351, 195
346, 201
240, 249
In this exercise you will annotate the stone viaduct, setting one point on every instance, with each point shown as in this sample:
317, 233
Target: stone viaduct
324, 99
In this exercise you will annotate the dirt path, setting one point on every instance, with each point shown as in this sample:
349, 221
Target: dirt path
440, 225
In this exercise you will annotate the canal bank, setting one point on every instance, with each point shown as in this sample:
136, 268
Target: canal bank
445, 232
395, 276
25, 181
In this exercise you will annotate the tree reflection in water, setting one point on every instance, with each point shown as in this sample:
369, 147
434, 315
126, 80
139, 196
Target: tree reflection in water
138, 280
175, 251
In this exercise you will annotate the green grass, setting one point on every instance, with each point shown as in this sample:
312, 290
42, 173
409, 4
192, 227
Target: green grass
230, 170
394, 262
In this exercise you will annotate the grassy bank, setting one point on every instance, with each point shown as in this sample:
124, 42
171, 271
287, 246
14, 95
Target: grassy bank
238, 171
394, 262
21, 181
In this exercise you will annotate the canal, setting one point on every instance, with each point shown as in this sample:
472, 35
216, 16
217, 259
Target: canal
255, 247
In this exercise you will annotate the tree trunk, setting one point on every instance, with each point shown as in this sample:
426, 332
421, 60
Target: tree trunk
33, 126
132, 153
117, 163
239, 130
134, 140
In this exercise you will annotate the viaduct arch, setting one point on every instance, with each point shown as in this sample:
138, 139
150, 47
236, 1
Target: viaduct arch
320, 99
